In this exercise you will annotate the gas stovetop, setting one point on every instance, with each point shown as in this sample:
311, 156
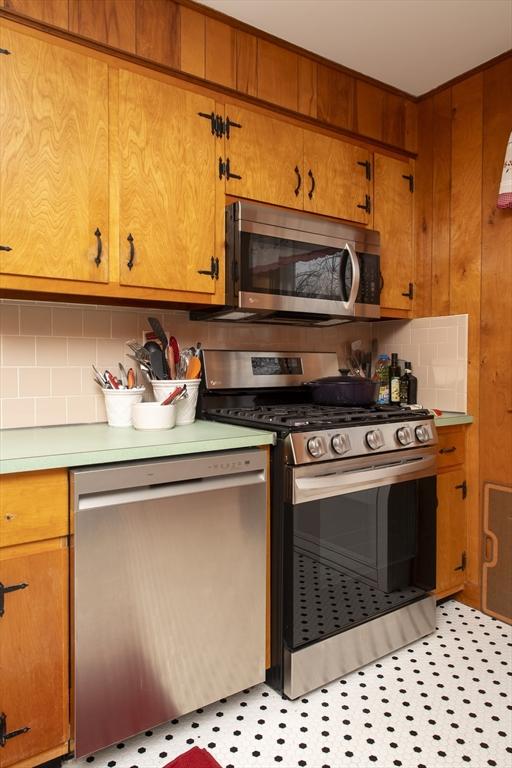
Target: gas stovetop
269, 390
307, 416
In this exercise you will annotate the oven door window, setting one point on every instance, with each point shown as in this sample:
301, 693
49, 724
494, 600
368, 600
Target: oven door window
355, 556
282, 267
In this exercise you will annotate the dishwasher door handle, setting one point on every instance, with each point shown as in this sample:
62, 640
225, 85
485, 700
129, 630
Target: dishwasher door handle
171, 490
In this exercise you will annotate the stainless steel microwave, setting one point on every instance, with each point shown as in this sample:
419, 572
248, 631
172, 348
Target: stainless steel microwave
292, 267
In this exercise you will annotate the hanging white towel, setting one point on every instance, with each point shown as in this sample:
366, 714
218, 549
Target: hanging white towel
505, 193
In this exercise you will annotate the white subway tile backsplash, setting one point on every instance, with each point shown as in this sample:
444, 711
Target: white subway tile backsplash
67, 321
66, 382
438, 351
51, 351
98, 323
81, 351
46, 375
35, 320
18, 350
81, 409
9, 382
34, 382
9, 319
18, 412
50, 410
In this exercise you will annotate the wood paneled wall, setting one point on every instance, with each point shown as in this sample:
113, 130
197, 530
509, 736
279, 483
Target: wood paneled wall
180, 35
464, 259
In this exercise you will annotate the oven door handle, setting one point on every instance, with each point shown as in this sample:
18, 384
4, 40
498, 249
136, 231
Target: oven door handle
356, 278
324, 486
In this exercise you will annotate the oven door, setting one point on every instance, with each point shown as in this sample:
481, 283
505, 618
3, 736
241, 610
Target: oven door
288, 270
360, 541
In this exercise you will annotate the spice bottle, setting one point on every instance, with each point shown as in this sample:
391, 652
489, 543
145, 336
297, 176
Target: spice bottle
408, 387
394, 380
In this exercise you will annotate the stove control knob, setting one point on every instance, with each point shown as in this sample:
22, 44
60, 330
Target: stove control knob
340, 443
374, 439
423, 433
316, 447
404, 435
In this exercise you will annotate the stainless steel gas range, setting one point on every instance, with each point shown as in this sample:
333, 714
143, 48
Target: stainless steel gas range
353, 515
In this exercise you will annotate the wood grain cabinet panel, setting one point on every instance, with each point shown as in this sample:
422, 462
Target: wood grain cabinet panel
192, 41
167, 185
34, 653
33, 506
265, 153
54, 160
451, 532
277, 75
393, 218
158, 31
108, 21
53, 12
220, 53
336, 180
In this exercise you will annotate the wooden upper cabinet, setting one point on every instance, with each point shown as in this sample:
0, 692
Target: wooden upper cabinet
393, 218
53, 160
168, 178
336, 178
268, 155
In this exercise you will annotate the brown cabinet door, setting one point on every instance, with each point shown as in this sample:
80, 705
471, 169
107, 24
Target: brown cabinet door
451, 532
168, 177
268, 156
393, 218
336, 178
34, 642
53, 160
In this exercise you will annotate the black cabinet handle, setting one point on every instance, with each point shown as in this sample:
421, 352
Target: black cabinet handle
410, 292
313, 184
4, 736
464, 488
5, 52
410, 179
211, 117
99, 247
299, 181
5, 248
225, 170
213, 272
5, 590
230, 124
448, 450
130, 261
367, 205
368, 168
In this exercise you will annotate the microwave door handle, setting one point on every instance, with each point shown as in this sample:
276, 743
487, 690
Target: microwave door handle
356, 279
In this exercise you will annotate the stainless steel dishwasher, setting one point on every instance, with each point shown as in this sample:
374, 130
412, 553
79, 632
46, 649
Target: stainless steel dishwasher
169, 589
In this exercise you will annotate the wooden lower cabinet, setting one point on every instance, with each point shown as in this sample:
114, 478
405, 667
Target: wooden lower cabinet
451, 512
34, 625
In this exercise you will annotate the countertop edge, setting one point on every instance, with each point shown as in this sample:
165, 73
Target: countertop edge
453, 419
109, 455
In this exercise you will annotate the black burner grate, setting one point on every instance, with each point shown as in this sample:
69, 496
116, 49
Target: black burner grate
315, 416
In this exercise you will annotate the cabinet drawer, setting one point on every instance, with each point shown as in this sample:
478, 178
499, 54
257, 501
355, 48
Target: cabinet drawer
33, 506
451, 448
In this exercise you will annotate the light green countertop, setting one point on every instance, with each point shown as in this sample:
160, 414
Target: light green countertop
24, 450
452, 419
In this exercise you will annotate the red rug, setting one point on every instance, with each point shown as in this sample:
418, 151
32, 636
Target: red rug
194, 758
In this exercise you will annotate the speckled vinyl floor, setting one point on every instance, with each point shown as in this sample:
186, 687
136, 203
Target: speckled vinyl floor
442, 702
